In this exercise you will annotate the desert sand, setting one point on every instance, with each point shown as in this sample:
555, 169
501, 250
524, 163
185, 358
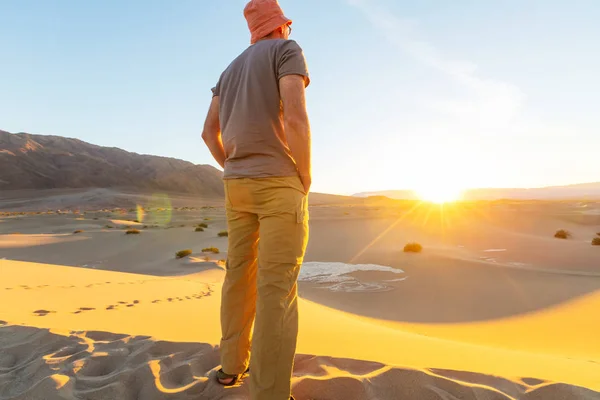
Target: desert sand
493, 308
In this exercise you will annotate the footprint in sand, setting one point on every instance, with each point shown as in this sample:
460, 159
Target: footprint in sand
155, 301
122, 302
136, 302
82, 309
111, 307
43, 313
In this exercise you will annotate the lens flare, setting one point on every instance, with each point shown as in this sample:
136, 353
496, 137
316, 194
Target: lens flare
158, 211
140, 213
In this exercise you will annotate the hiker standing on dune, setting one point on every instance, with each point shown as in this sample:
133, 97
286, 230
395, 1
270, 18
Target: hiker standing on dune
257, 129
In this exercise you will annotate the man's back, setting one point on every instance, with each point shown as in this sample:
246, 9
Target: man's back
250, 109
258, 131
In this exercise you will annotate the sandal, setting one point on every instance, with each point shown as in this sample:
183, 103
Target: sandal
234, 378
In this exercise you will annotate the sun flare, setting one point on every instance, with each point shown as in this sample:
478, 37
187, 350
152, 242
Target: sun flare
439, 194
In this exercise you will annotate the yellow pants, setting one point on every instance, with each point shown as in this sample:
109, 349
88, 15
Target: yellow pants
267, 221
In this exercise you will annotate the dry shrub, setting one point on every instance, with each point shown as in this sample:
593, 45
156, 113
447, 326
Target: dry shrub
562, 234
183, 253
413, 248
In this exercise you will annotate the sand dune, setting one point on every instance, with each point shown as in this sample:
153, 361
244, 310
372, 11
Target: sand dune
103, 315
76, 304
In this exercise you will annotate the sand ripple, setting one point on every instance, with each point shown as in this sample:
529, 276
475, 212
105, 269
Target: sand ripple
37, 364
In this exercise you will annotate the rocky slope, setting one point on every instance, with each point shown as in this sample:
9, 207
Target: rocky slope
45, 162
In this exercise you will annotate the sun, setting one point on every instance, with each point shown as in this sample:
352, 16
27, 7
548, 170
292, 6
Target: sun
439, 194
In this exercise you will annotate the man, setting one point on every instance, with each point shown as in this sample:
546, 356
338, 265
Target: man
257, 129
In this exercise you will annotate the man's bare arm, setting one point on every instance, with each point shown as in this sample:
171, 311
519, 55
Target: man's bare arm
212, 133
296, 124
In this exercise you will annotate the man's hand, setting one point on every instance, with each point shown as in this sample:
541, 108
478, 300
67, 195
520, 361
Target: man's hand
212, 133
306, 182
296, 125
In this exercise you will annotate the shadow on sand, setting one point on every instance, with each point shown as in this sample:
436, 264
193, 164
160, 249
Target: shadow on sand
37, 364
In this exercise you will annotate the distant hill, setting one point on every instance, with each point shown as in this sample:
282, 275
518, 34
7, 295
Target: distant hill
392, 194
52, 162
579, 191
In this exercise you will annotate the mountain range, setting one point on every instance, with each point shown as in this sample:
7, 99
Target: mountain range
30, 161
51, 162
590, 191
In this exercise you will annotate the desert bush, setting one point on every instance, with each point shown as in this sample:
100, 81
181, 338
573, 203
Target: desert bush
210, 250
562, 234
132, 232
223, 234
596, 241
203, 225
413, 248
77, 231
183, 253
199, 229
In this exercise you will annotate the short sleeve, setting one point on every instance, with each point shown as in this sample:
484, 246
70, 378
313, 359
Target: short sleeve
216, 90
291, 61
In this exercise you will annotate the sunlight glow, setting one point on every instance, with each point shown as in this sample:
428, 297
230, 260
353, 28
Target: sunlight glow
439, 194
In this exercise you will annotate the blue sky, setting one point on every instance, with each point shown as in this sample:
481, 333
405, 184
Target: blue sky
403, 94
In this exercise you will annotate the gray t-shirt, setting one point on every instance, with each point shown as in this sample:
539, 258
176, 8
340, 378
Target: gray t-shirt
250, 110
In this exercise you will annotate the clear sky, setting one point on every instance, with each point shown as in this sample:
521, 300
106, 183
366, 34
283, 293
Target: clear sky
403, 94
